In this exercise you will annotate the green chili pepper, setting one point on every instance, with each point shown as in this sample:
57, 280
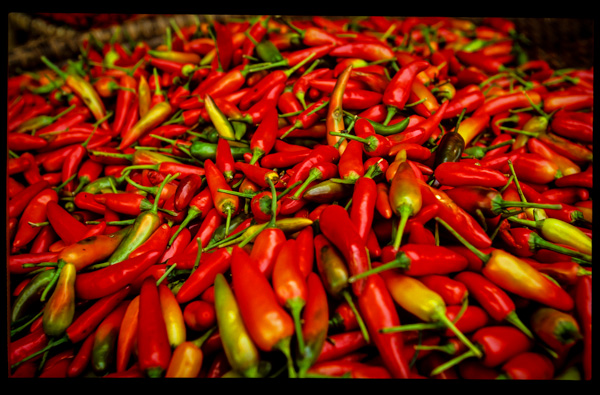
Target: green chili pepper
241, 352
145, 224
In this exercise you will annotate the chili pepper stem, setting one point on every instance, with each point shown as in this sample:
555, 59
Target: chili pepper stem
405, 211
295, 306
284, 346
361, 323
53, 281
513, 319
314, 175
192, 214
401, 262
538, 242
453, 362
479, 254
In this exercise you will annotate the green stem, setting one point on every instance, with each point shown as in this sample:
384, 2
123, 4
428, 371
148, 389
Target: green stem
361, 323
405, 211
479, 254
401, 262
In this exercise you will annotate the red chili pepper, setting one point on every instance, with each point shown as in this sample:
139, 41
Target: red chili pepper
264, 137
583, 298
455, 216
154, 350
378, 309
584, 179
397, 92
498, 344
82, 358
518, 277
64, 224
34, 212
315, 323
510, 101
567, 101
290, 286
496, 302
102, 282
204, 275
332, 220
125, 99
269, 325
363, 205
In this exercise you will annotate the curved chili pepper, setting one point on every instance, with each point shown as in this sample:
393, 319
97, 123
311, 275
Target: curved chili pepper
153, 118
17, 204
398, 90
334, 118
105, 339
144, 225
127, 335
268, 324
102, 282
377, 307
518, 277
29, 299
494, 300
64, 224
34, 212
406, 291
204, 275
82, 358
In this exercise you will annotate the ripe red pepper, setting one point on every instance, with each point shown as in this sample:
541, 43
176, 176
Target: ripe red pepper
290, 286
34, 212
204, 275
154, 350
583, 298
496, 302
337, 226
398, 90
99, 283
378, 309
498, 345
518, 277
315, 323
269, 325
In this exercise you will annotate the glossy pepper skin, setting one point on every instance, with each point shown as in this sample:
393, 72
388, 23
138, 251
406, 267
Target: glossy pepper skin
242, 353
60, 308
153, 342
378, 310
336, 225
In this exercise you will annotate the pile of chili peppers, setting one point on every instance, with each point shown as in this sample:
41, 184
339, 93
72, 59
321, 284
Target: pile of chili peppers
310, 197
